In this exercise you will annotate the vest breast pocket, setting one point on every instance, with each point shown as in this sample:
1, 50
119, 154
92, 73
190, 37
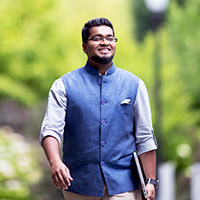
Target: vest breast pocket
125, 106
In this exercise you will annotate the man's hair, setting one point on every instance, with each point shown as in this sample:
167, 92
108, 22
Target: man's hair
95, 22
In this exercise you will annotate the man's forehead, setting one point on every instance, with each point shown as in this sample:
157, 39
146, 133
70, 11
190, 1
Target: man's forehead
101, 30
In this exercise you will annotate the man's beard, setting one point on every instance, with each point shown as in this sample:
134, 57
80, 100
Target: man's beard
102, 60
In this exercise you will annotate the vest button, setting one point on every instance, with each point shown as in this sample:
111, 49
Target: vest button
103, 163
103, 122
103, 101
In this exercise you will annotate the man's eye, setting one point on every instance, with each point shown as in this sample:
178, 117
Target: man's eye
110, 39
97, 38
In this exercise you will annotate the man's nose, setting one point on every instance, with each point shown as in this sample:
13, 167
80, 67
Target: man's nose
104, 41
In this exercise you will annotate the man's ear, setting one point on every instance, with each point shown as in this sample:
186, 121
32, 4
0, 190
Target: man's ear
84, 47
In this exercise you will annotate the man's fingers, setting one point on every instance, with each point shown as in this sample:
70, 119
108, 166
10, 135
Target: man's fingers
55, 181
67, 177
62, 178
60, 183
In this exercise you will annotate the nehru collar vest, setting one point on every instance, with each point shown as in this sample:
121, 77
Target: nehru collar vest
99, 132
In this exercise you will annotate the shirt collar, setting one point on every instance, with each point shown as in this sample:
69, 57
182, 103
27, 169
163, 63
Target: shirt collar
92, 70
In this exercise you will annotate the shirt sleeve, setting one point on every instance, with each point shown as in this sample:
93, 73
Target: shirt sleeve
144, 135
54, 120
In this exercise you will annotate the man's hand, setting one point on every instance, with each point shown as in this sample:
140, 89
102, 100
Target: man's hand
150, 191
59, 172
61, 175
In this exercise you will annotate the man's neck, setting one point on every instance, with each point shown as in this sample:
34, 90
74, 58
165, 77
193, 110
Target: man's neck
103, 68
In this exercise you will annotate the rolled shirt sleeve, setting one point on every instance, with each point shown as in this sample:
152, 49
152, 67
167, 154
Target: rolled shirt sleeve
144, 135
54, 120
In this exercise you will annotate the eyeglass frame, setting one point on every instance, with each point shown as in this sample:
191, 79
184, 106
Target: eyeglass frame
102, 38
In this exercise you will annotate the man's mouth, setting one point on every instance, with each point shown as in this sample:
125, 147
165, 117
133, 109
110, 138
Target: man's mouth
104, 50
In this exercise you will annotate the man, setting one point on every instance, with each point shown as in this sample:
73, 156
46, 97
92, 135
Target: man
103, 114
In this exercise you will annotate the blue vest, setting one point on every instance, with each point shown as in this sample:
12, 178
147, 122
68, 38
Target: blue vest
99, 133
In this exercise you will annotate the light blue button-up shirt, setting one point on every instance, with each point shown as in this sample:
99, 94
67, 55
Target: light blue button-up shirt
103, 120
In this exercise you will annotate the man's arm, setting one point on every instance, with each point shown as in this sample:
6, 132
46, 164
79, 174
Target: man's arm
59, 172
149, 165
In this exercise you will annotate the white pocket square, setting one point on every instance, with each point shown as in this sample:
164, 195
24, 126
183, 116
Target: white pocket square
125, 102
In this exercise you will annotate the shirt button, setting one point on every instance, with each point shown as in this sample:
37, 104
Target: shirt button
103, 122
100, 82
103, 143
103, 101
103, 163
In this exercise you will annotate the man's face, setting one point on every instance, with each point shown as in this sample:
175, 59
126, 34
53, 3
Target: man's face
100, 51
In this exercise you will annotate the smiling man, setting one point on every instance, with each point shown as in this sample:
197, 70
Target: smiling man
103, 115
100, 47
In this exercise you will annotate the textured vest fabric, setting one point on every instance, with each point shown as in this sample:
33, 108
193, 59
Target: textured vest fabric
98, 137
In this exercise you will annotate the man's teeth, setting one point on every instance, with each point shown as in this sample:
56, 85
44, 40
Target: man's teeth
104, 50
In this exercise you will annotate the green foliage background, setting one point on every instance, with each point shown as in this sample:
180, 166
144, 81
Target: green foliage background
41, 40
19, 168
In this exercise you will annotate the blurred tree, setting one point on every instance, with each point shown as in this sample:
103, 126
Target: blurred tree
180, 58
30, 49
142, 18
181, 2
184, 34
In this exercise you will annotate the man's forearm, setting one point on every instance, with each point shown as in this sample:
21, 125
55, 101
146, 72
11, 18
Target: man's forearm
51, 148
149, 164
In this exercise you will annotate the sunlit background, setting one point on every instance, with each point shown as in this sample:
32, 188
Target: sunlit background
40, 40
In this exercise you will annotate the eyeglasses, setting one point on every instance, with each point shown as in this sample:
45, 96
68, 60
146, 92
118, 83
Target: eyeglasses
100, 38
